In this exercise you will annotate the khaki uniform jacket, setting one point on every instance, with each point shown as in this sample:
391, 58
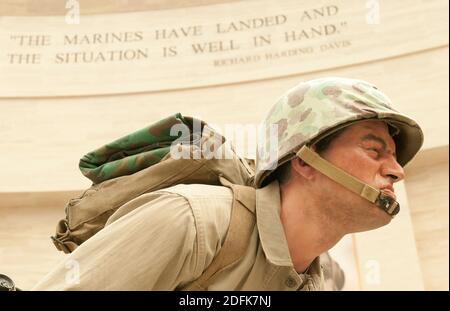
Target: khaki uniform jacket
164, 240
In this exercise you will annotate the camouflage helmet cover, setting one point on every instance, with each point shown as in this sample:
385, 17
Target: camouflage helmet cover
314, 109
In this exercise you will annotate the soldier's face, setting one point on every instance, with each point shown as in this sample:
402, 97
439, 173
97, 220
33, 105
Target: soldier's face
367, 151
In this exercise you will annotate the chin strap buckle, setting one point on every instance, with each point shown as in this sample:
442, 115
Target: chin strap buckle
388, 204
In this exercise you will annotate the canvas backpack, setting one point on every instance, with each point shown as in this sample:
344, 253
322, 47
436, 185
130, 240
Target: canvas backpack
175, 150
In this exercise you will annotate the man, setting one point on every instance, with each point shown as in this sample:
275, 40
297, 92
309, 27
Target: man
327, 209
340, 149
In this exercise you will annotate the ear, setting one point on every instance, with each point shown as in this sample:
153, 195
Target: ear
303, 169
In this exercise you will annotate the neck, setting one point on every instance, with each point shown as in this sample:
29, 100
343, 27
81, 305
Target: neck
308, 231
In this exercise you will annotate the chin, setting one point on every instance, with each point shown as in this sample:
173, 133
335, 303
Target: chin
374, 219
380, 218
386, 218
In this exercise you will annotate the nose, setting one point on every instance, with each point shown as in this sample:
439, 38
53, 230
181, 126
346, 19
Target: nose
393, 170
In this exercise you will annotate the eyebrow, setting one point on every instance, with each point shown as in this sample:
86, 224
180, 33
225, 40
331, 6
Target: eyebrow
377, 139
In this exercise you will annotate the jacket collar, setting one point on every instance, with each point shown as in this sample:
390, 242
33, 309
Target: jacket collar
271, 232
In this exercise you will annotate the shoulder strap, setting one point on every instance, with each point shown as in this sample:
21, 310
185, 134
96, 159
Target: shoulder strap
242, 222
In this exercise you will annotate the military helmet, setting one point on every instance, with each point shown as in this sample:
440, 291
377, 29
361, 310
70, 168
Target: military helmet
315, 109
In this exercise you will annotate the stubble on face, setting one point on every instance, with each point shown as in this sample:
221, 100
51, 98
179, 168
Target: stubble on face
345, 210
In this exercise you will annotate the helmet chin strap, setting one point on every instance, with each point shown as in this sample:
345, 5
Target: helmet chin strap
381, 199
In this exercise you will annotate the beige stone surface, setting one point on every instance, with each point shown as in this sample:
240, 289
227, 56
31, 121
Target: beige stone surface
27, 220
48, 136
427, 188
208, 45
58, 7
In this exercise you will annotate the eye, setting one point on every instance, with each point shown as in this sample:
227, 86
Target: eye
374, 152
